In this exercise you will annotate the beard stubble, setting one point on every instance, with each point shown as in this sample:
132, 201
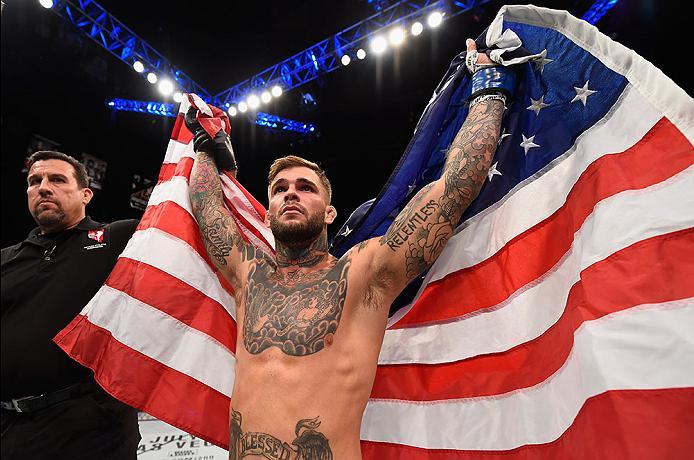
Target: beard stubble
297, 232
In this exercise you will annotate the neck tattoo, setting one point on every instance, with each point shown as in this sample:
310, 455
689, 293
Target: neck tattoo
302, 256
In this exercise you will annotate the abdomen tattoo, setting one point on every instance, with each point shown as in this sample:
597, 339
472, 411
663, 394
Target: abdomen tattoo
296, 318
309, 443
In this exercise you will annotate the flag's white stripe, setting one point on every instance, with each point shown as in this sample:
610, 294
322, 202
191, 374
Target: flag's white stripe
648, 347
253, 239
615, 223
175, 257
175, 190
245, 208
236, 196
540, 198
163, 338
175, 151
657, 88
535, 199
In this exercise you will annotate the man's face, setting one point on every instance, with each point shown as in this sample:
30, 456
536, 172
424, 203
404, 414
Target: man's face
299, 208
54, 198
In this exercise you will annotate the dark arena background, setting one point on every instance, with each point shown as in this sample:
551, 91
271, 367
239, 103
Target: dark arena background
56, 80
102, 82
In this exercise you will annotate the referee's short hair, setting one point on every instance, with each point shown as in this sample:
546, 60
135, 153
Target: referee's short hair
79, 169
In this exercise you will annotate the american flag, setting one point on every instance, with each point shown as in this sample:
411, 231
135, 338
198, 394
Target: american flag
558, 322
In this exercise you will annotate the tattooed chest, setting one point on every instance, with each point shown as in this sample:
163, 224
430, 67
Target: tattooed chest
298, 317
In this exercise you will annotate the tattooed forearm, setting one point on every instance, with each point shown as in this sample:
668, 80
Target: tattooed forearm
216, 225
425, 225
309, 444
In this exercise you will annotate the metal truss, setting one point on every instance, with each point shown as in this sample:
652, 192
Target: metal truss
324, 56
263, 119
104, 29
297, 70
598, 10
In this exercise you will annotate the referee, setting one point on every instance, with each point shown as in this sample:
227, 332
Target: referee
51, 406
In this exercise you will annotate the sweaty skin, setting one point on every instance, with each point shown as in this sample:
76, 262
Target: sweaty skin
311, 326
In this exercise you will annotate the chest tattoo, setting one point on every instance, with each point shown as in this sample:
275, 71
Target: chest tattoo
293, 314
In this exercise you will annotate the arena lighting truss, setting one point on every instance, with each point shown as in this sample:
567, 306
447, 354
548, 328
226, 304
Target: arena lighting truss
169, 110
325, 56
598, 10
295, 71
104, 29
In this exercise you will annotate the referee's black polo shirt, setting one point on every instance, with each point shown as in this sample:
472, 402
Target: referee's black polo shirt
46, 281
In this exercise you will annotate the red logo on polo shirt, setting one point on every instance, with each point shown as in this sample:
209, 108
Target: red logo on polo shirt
97, 235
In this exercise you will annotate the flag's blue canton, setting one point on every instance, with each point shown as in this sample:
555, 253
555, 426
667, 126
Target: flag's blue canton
543, 122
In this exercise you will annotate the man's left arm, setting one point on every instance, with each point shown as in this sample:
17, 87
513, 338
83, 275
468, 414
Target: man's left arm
419, 233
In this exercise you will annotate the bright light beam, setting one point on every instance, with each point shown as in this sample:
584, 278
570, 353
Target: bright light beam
379, 45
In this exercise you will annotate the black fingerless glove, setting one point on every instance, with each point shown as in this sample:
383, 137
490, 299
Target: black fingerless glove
218, 147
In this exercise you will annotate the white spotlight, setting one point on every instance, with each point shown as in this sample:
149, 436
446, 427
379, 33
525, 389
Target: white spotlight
178, 97
152, 77
48, 4
361, 54
276, 91
265, 97
396, 36
138, 66
435, 19
232, 111
345, 59
242, 107
379, 45
417, 28
253, 101
166, 87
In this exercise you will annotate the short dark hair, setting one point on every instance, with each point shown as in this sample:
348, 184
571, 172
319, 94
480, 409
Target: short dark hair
80, 171
292, 160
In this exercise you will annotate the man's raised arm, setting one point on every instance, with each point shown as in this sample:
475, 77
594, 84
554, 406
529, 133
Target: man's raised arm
419, 233
219, 232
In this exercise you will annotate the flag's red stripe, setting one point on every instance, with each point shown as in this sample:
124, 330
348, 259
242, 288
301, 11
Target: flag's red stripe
151, 386
175, 298
633, 424
182, 168
663, 152
169, 217
245, 223
260, 210
651, 271
180, 133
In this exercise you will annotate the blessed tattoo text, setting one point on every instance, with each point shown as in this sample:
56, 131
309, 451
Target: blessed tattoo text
309, 444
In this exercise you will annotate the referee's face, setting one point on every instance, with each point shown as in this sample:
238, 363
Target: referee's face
55, 200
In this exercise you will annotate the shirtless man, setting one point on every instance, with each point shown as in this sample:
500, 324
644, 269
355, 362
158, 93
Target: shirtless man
310, 325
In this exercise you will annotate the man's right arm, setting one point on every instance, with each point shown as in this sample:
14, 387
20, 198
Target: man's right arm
219, 232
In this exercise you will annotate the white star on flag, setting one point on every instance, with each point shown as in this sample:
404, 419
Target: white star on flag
347, 231
528, 143
493, 171
537, 104
583, 93
542, 62
504, 134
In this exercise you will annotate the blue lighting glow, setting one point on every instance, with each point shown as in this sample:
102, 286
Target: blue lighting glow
598, 10
266, 120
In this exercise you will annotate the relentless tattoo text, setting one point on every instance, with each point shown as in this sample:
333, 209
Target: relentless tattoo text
426, 223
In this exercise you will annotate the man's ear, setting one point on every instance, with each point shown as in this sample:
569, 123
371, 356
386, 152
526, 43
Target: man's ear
267, 218
330, 214
87, 195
